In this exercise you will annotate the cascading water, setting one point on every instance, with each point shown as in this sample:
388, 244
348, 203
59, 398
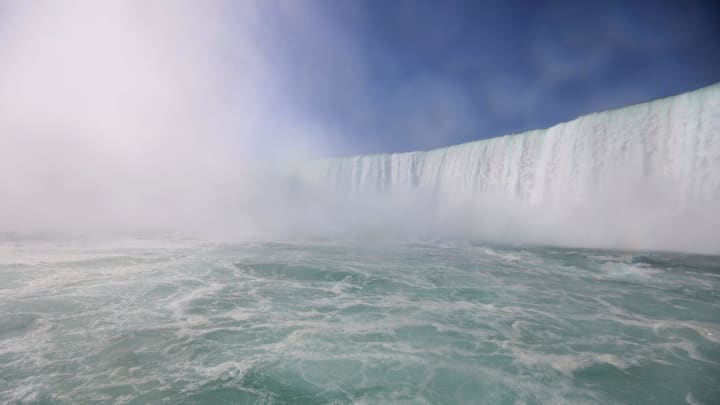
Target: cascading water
648, 167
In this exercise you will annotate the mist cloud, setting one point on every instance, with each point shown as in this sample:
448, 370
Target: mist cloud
138, 114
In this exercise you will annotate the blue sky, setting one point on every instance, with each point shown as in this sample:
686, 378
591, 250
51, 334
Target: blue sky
388, 76
266, 78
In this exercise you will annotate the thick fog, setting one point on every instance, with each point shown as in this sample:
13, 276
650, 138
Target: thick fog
140, 115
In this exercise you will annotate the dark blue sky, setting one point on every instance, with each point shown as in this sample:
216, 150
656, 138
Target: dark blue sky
388, 76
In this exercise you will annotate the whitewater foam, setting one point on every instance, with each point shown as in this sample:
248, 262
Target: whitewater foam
344, 322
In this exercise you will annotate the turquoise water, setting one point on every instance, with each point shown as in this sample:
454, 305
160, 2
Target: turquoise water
184, 321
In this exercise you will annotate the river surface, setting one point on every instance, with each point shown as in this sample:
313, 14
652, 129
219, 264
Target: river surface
173, 320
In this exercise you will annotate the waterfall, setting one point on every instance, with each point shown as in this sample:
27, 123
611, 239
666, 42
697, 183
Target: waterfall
673, 140
657, 159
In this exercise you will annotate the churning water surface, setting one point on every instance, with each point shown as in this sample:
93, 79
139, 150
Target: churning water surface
153, 320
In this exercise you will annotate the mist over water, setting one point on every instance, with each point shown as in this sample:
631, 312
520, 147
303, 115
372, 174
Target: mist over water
129, 116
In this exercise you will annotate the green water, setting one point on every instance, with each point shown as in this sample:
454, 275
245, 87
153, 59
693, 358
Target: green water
184, 321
